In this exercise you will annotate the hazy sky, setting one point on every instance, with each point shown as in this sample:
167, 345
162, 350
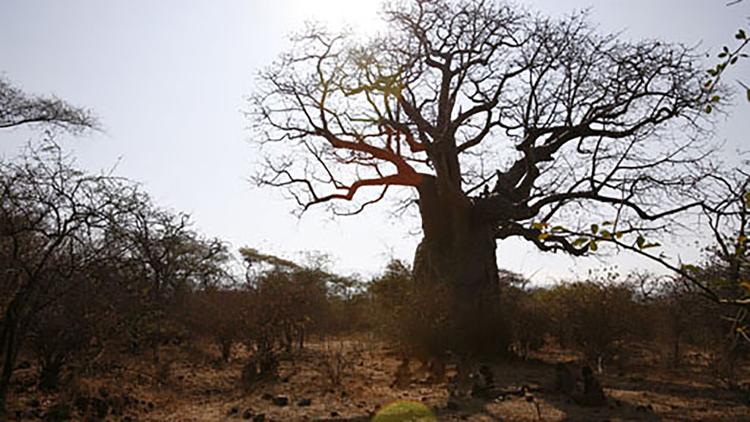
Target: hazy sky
168, 81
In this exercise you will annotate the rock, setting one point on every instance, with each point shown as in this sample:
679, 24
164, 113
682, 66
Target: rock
247, 414
334, 414
280, 401
304, 402
234, 410
259, 418
267, 397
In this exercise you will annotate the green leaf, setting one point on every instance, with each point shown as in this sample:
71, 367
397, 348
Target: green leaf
593, 246
595, 228
709, 108
747, 199
543, 236
715, 99
748, 94
741, 35
580, 241
619, 235
651, 245
557, 229
539, 226
640, 241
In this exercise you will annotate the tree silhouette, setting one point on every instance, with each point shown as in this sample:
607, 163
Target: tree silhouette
501, 123
18, 108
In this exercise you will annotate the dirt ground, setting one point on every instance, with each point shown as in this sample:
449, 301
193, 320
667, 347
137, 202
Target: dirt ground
351, 381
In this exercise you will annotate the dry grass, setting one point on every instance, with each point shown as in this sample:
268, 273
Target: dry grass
350, 380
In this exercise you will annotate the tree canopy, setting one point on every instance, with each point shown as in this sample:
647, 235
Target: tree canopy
540, 126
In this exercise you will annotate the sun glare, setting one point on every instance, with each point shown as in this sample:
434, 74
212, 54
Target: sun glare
362, 15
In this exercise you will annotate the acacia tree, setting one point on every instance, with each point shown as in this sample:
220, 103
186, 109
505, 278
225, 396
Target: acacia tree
51, 221
18, 108
164, 256
501, 123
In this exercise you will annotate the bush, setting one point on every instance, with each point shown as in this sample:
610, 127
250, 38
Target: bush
594, 317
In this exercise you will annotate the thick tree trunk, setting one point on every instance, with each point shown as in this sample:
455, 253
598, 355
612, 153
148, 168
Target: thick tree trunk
457, 257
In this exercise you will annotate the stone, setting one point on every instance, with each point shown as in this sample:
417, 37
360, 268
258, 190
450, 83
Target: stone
280, 401
304, 402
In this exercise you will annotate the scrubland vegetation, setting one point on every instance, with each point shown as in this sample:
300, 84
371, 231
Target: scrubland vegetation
493, 123
115, 308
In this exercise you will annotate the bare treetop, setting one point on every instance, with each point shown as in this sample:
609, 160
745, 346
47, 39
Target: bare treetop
545, 112
18, 108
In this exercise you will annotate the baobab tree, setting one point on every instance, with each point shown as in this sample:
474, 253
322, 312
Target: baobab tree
499, 122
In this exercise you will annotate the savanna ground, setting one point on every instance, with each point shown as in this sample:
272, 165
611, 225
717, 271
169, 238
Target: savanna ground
352, 379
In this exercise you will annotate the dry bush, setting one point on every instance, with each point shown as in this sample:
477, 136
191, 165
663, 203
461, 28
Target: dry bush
595, 317
526, 313
218, 313
420, 321
338, 362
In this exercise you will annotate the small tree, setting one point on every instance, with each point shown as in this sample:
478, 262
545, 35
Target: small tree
596, 318
164, 259
219, 313
51, 216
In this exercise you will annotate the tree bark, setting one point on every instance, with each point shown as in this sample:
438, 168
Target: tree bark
8, 349
457, 257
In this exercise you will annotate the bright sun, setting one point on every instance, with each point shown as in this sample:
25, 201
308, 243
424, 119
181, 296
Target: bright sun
362, 15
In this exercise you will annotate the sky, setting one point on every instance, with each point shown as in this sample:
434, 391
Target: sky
169, 79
